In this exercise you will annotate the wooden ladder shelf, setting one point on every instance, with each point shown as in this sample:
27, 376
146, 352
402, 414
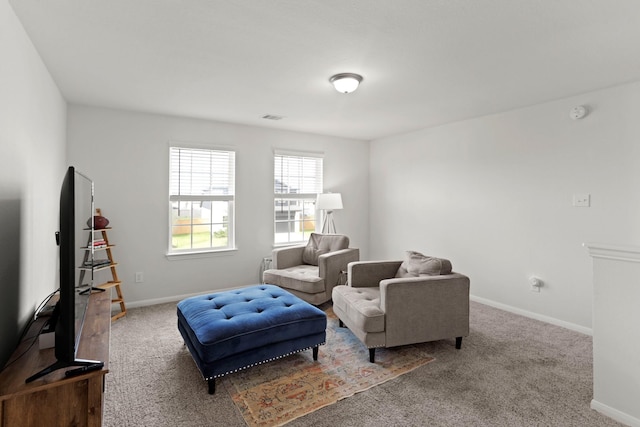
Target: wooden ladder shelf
115, 282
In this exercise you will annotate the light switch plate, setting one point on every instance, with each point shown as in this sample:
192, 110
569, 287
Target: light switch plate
582, 200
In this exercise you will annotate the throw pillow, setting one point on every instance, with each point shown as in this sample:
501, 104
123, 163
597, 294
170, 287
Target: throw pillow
417, 264
321, 244
311, 251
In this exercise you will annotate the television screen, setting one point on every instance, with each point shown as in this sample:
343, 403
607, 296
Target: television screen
76, 246
83, 249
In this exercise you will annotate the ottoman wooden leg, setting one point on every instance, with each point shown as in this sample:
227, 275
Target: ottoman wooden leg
315, 352
212, 385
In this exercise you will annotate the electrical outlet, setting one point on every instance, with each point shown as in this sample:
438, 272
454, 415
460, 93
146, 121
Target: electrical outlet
139, 277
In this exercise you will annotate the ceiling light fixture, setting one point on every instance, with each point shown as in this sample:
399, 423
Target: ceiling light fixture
346, 82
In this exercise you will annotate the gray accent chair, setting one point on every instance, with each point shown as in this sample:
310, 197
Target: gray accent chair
394, 303
311, 271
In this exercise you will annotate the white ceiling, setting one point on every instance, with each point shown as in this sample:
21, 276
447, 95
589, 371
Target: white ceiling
424, 62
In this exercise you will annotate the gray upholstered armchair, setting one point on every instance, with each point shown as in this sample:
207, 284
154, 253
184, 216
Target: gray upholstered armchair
310, 272
393, 303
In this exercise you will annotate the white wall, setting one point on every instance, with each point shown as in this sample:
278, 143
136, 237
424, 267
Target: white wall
494, 195
126, 154
616, 369
32, 154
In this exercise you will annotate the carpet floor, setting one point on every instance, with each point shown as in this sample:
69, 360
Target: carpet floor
274, 393
511, 371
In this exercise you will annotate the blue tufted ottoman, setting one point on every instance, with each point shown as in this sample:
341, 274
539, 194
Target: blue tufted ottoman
233, 330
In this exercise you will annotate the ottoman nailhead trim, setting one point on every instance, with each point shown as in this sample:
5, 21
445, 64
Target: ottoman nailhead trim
264, 361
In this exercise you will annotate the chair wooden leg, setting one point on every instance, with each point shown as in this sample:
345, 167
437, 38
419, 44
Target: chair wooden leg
340, 323
372, 355
212, 385
458, 342
315, 352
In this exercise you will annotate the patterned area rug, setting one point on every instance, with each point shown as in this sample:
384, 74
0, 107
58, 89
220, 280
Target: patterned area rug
277, 392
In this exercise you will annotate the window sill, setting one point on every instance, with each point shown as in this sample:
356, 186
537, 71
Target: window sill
200, 254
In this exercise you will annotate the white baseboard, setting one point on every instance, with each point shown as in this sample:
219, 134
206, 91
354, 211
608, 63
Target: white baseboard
491, 303
175, 298
615, 414
532, 315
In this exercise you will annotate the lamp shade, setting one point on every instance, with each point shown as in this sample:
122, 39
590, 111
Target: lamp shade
346, 82
329, 201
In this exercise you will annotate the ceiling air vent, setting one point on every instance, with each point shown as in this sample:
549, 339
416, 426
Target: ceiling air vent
272, 117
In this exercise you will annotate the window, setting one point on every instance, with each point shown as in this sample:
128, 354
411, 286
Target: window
297, 182
201, 199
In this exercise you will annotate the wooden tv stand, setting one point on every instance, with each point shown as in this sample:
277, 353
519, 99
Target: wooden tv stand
55, 399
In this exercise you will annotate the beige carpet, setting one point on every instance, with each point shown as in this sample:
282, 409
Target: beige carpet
511, 371
280, 391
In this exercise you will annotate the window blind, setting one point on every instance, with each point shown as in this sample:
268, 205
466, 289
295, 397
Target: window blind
297, 174
201, 172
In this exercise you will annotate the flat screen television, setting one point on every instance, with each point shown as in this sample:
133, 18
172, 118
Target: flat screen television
76, 208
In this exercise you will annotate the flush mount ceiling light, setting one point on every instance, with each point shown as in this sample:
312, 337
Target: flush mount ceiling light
346, 82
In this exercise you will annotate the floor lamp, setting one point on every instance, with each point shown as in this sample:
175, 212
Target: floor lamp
329, 202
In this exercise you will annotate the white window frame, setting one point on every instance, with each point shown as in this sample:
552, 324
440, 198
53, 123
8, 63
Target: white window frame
308, 181
182, 193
